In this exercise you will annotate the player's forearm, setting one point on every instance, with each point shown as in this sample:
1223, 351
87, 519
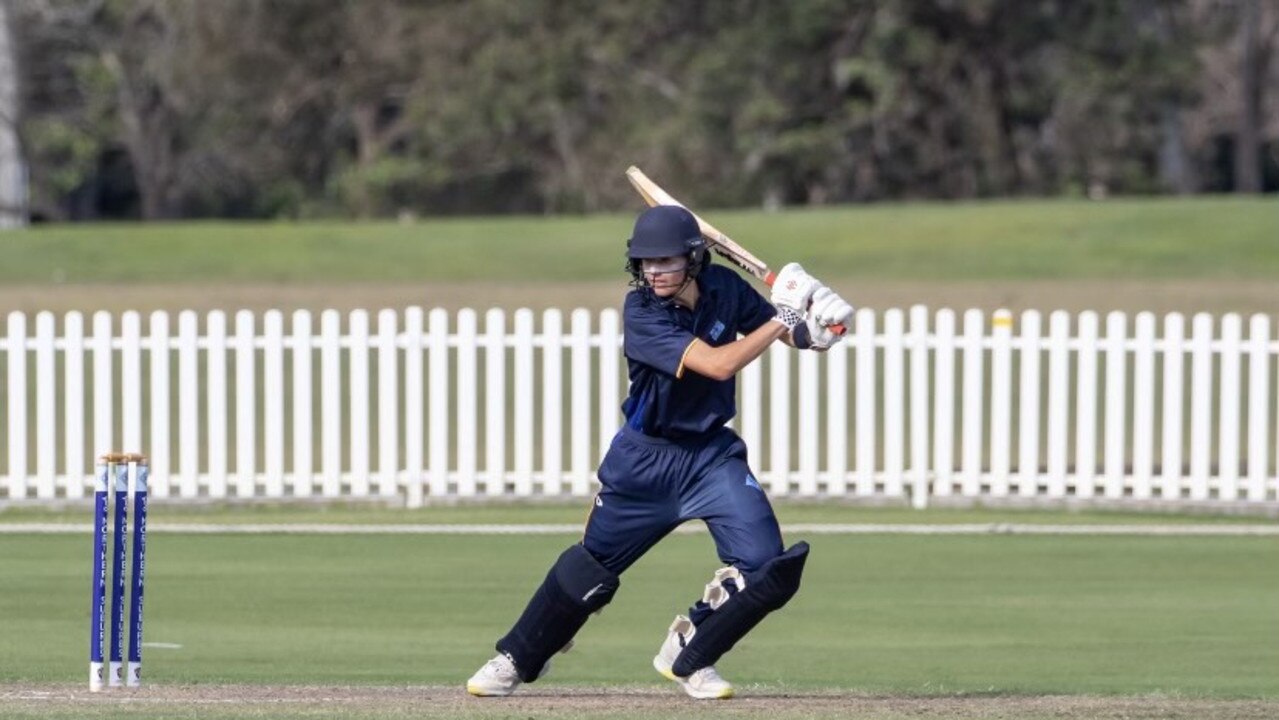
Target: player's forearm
723, 362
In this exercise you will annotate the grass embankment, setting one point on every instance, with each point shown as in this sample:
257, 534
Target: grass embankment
1202, 237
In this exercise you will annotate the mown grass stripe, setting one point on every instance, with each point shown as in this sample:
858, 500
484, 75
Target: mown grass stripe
569, 529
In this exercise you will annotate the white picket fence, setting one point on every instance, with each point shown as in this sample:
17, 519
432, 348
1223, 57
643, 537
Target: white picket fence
428, 405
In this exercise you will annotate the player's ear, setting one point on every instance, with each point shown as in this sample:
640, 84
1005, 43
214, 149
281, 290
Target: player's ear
697, 255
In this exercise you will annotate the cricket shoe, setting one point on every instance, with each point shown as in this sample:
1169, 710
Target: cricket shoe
498, 677
703, 684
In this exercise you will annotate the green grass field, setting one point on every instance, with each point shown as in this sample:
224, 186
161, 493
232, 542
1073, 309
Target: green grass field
880, 616
887, 626
1034, 239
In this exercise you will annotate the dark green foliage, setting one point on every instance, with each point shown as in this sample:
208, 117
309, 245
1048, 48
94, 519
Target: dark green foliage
250, 108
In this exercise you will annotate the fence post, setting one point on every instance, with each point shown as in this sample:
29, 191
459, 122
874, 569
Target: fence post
188, 403
46, 413
944, 405
1001, 392
303, 417
807, 407
438, 394
73, 401
894, 402
837, 420
1086, 406
17, 404
1116, 402
216, 389
1228, 427
246, 416
1200, 405
495, 402
1173, 399
414, 424
523, 390
751, 411
1258, 405
610, 371
331, 403
580, 402
973, 401
358, 400
1058, 405
131, 380
467, 437
273, 402
919, 397
161, 393
388, 402
552, 401
779, 430
864, 398
1028, 419
103, 386
1143, 407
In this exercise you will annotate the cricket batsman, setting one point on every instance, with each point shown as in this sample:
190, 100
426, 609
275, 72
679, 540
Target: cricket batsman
674, 460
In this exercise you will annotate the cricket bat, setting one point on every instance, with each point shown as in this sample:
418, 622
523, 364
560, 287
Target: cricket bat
722, 244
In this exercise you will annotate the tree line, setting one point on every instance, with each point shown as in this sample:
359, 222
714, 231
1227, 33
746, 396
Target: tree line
377, 108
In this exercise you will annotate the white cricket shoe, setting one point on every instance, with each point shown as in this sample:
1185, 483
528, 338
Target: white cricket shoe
704, 684
498, 678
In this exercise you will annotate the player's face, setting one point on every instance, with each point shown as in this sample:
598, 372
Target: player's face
665, 274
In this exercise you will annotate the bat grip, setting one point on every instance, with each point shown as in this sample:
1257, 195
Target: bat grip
771, 278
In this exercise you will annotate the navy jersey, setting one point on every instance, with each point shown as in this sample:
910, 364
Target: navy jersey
665, 399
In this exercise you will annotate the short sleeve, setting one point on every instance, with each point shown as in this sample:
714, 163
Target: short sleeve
653, 338
753, 309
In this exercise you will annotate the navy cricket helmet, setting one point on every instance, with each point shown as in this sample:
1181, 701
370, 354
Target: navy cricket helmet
666, 231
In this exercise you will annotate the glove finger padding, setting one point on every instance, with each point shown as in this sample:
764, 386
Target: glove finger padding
820, 336
793, 288
829, 308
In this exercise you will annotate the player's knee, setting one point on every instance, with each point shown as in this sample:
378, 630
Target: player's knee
752, 560
583, 580
777, 580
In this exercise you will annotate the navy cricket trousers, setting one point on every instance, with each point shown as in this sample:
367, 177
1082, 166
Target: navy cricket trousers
652, 485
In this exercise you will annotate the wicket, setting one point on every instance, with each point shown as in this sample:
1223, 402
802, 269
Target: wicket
112, 475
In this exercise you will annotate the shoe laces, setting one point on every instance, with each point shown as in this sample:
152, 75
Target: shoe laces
500, 665
705, 675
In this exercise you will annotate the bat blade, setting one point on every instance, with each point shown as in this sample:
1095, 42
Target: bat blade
721, 243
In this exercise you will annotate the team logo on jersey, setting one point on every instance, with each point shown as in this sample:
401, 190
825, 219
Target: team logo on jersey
717, 329
752, 482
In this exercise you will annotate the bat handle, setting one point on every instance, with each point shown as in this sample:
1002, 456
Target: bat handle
771, 278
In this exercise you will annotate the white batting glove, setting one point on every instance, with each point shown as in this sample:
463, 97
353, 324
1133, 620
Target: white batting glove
827, 309
793, 288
